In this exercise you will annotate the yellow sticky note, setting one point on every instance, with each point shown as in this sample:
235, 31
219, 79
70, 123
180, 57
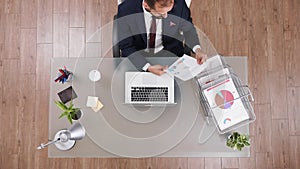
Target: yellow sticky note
98, 106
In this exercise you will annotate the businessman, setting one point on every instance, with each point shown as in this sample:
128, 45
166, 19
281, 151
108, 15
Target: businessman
156, 28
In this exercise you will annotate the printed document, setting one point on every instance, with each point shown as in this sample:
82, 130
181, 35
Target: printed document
226, 104
185, 68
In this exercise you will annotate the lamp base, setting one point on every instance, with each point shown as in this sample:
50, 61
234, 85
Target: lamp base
63, 145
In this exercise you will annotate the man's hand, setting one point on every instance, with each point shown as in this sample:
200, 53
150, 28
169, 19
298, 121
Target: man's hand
199, 55
157, 69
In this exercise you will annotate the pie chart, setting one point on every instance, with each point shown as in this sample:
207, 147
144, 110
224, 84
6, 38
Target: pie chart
224, 99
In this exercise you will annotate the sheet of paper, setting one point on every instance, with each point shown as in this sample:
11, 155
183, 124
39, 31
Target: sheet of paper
213, 76
185, 68
98, 107
213, 64
91, 101
94, 103
227, 108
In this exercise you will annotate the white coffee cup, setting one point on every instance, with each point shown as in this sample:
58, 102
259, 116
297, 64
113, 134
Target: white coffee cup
94, 75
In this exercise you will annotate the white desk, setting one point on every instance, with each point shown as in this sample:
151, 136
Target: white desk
127, 131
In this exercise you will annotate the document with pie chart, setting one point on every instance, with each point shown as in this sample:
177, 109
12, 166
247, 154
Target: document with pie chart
227, 109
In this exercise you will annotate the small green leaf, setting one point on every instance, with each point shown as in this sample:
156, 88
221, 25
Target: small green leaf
61, 105
63, 114
70, 119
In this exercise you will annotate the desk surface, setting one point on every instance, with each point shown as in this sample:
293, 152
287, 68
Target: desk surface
129, 131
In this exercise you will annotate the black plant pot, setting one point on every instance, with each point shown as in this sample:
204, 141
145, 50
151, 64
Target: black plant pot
78, 115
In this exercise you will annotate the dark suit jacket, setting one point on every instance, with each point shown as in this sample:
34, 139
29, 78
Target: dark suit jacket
175, 28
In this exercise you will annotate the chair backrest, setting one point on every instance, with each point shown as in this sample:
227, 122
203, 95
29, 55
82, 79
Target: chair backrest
115, 48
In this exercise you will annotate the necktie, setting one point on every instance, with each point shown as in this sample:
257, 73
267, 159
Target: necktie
152, 35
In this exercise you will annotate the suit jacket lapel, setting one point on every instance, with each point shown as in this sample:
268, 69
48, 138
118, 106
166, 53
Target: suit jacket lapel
140, 22
165, 28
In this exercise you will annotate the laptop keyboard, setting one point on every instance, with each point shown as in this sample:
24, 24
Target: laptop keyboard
149, 94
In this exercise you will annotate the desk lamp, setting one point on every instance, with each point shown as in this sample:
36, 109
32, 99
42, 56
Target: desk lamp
65, 139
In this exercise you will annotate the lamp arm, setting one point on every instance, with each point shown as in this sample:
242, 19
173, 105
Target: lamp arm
47, 144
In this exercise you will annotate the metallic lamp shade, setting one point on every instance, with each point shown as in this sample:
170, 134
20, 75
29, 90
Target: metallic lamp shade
77, 131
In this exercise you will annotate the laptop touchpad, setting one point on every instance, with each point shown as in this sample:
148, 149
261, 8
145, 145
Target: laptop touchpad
150, 80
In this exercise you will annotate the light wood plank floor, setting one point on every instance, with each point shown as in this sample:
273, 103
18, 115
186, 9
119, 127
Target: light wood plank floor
33, 31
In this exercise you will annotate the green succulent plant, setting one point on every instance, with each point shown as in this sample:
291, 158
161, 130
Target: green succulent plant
68, 111
238, 141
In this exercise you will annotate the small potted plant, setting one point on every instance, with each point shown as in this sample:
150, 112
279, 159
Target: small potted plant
238, 141
69, 111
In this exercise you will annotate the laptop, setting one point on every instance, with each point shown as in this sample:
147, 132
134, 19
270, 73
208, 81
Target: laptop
145, 88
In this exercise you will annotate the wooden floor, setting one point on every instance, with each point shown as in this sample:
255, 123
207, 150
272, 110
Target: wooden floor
33, 31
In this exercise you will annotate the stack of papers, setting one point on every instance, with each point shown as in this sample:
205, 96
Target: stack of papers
227, 108
223, 96
94, 103
213, 78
